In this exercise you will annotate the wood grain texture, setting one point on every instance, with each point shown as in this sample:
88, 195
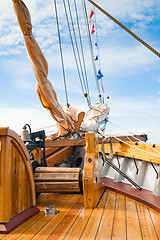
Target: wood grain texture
17, 190
92, 186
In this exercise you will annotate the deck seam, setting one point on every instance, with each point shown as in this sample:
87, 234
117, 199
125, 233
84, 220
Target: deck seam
126, 216
74, 222
101, 215
50, 219
153, 224
139, 220
86, 224
62, 218
114, 216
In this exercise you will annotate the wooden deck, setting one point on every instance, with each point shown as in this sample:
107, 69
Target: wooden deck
116, 217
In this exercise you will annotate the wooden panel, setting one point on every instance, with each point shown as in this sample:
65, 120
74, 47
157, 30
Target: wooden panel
65, 142
17, 191
59, 156
56, 186
57, 170
56, 177
92, 186
136, 150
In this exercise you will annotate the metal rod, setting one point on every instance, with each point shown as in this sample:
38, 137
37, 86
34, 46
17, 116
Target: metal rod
136, 166
126, 29
154, 169
122, 173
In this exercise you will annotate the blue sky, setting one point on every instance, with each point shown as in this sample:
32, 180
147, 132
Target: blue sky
131, 72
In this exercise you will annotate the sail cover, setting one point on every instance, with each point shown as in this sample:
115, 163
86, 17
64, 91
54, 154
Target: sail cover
39, 65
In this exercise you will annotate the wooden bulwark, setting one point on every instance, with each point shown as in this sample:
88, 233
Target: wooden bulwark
141, 151
55, 179
17, 190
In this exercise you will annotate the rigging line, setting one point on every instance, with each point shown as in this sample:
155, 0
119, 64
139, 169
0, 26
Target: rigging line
75, 38
119, 139
80, 38
126, 29
91, 47
97, 40
135, 137
74, 52
61, 53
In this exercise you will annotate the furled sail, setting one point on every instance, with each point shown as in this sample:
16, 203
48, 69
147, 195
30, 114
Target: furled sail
39, 65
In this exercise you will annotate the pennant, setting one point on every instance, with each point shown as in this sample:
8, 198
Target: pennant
99, 75
91, 14
93, 30
96, 45
96, 58
102, 87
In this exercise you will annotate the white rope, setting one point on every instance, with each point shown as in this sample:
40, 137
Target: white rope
132, 134
135, 146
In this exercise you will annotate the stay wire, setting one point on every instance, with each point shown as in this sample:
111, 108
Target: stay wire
83, 58
61, 53
76, 44
91, 47
74, 52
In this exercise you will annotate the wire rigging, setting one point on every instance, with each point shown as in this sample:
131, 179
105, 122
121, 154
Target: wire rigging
61, 54
90, 45
81, 45
77, 50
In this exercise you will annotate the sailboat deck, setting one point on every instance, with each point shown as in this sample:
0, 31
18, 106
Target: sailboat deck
116, 217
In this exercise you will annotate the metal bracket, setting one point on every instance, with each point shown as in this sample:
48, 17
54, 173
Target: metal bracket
119, 165
89, 160
154, 169
136, 165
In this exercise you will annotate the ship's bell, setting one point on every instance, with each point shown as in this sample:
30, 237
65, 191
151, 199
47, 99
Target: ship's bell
25, 135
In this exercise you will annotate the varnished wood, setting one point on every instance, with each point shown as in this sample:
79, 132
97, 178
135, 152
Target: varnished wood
92, 186
59, 156
17, 190
55, 179
65, 142
108, 221
139, 151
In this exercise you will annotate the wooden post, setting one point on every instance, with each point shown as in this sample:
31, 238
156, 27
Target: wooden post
92, 186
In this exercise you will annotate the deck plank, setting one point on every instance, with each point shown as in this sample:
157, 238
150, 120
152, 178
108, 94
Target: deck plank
155, 216
63, 228
29, 224
119, 227
105, 228
49, 227
147, 227
133, 227
36, 228
92, 226
80, 223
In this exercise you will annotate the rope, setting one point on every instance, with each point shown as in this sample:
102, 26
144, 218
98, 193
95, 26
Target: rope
132, 134
76, 44
91, 47
126, 29
61, 54
81, 45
